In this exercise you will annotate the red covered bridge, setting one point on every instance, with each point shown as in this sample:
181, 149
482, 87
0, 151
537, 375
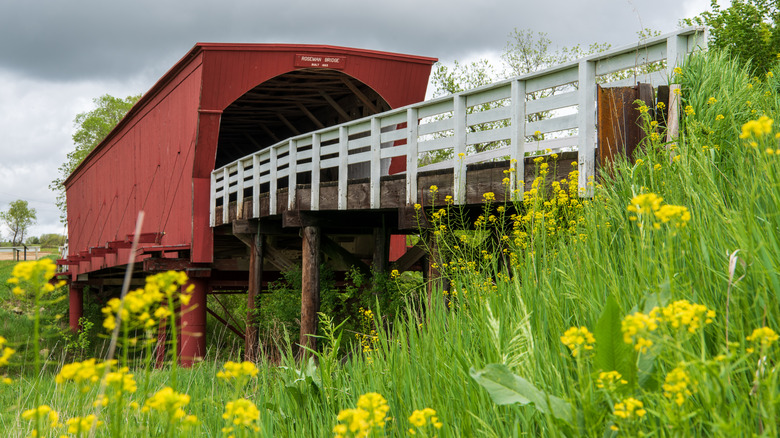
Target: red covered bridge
250, 159
220, 102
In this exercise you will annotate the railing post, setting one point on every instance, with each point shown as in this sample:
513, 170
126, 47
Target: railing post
225, 194
411, 155
376, 170
676, 49
240, 189
292, 174
343, 167
273, 183
255, 186
212, 201
459, 168
517, 140
586, 125
315, 171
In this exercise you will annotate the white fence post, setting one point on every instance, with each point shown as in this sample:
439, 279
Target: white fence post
343, 167
411, 156
255, 186
273, 183
292, 174
240, 189
586, 125
225, 194
376, 168
212, 200
315, 171
517, 141
459, 168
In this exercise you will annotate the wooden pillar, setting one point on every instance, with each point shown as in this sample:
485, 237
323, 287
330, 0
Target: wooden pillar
255, 283
193, 324
75, 306
310, 285
381, 259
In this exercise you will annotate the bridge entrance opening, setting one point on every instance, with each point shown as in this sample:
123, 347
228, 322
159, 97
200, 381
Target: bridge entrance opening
290, 104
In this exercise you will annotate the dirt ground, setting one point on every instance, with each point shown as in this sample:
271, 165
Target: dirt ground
30, 255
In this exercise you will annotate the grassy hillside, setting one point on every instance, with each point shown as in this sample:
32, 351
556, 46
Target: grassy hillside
631, 313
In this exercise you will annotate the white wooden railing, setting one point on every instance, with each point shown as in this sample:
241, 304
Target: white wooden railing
496, 115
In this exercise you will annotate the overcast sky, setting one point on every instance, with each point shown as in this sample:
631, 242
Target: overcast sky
56, 56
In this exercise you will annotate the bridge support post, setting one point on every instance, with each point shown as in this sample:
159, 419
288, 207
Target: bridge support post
75, 306
381, 258
193, 324
310, 285
255, 283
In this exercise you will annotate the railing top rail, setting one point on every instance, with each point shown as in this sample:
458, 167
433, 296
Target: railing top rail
499, 84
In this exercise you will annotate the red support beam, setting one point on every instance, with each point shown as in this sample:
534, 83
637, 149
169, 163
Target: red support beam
193, 324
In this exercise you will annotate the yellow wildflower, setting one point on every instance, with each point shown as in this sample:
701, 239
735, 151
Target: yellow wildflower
579, 340
636, 329
764, 336
79, 425
677, 385
629, 409
610, 380
757, 128
241, 412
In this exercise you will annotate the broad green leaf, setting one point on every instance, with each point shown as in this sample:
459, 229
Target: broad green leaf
506, 388
612, 354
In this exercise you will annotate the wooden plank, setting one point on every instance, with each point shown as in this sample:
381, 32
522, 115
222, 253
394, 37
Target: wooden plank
376, 170
554, 79
637, 58
488, 136
362, 97
292, 176
459, 182
674, 110
310, 285
492, 94
311, 116
488, 116
225, 194
517, 137
428, 109
438, 126
255, 186
411, 155
410, 257
556, 123
342, 257
240, 189
586, 124
274, 182
335, 106
343, 168
213, 199
553, 102
315, 171
436, 144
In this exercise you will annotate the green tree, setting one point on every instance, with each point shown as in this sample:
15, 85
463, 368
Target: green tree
747, 29
91, 128
52, 240
18, 219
